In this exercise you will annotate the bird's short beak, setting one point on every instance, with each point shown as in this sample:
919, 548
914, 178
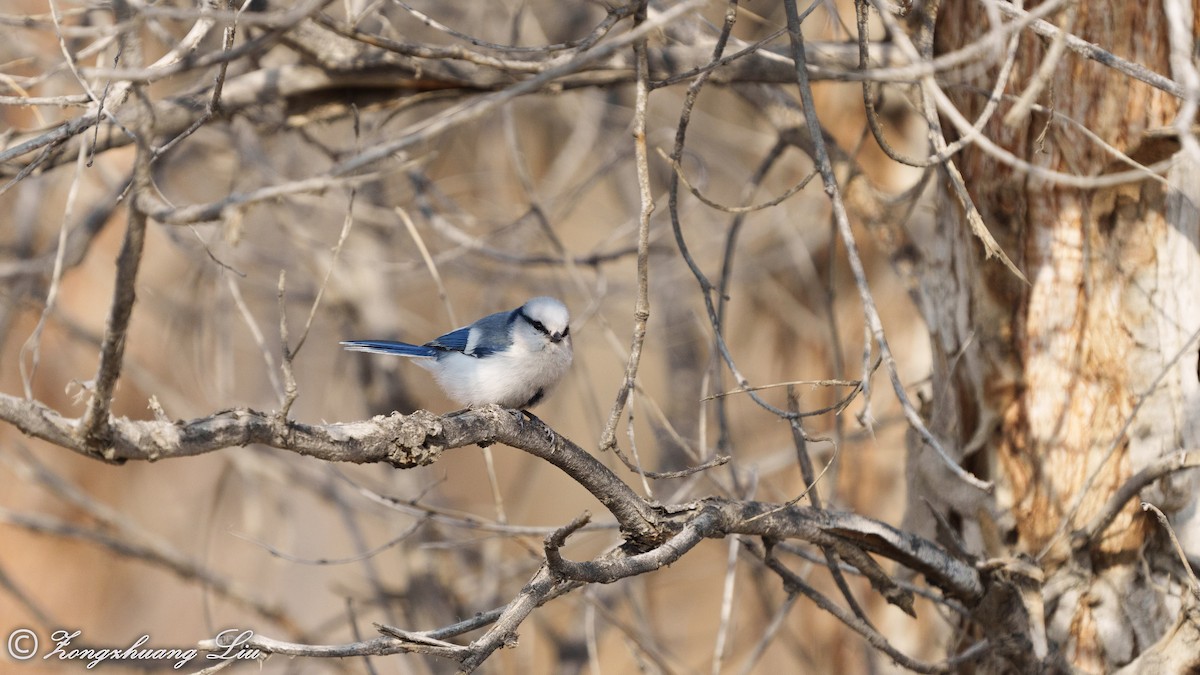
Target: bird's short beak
556, 337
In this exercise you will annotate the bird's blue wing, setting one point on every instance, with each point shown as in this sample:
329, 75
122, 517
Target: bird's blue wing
486, 336
389, 347
455, 340
491, 335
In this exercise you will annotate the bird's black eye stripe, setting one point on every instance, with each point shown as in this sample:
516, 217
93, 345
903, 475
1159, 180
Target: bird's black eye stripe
566, 331
537, 325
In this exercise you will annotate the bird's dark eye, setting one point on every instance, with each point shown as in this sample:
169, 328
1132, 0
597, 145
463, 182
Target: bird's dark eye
537, 325
566, 331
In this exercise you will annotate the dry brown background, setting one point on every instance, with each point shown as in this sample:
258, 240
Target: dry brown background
242, 513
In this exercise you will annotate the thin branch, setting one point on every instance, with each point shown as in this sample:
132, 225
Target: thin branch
636, 634
807, 472
794, 583
429, 262
1165, 466
458, 115
167, 214
718, 460
762, 519
433, 52
445, 516
969, 134
1193, 582
280, 23
289, 352
707, 288
534, 594
942, 151
736, 224
932, 595
189, 44
873, 321
776, 201
256, 334
32, 345
159, 555
94, 426
618, 566
1019, 113
1094, 52
641, 306
725, 625
358, 557
380, 646
615, 14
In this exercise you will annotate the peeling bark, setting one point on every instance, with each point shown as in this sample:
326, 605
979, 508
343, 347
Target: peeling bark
1062, 389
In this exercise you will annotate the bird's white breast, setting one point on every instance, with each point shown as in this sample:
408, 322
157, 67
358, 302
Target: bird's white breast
510, 378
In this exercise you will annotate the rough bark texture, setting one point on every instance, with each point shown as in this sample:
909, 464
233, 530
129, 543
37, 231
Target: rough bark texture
1062, 389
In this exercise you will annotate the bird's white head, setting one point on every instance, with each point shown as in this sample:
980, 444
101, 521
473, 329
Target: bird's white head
546, 319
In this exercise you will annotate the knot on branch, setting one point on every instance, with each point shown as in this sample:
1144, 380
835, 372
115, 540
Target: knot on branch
413, 443
621, 563
96, 435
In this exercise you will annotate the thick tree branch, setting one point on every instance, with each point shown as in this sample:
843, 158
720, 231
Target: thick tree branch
419, 439
400, 440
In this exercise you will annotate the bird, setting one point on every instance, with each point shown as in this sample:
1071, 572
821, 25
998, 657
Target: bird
512, 359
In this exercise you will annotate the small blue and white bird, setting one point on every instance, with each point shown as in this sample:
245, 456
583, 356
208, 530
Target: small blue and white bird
511, 358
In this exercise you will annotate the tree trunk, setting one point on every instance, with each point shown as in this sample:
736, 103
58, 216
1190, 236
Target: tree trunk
1061, 389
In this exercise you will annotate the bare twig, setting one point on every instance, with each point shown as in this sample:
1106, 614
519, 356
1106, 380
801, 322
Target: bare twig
776, 201
189, 44
1193, 582
1179, 461
641, 307
476, 108
725, 626
429, 263
94, 426
707, 288
969, 134
417, 508
199, 213
358, 557
159, 555
541, 588
1094, 52
705, 524
873, 322
1020, 110
795, 584
32, 345
614, 15
800, 440
279, 23
256, 334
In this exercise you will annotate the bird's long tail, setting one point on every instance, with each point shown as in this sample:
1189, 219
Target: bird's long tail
389, 347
